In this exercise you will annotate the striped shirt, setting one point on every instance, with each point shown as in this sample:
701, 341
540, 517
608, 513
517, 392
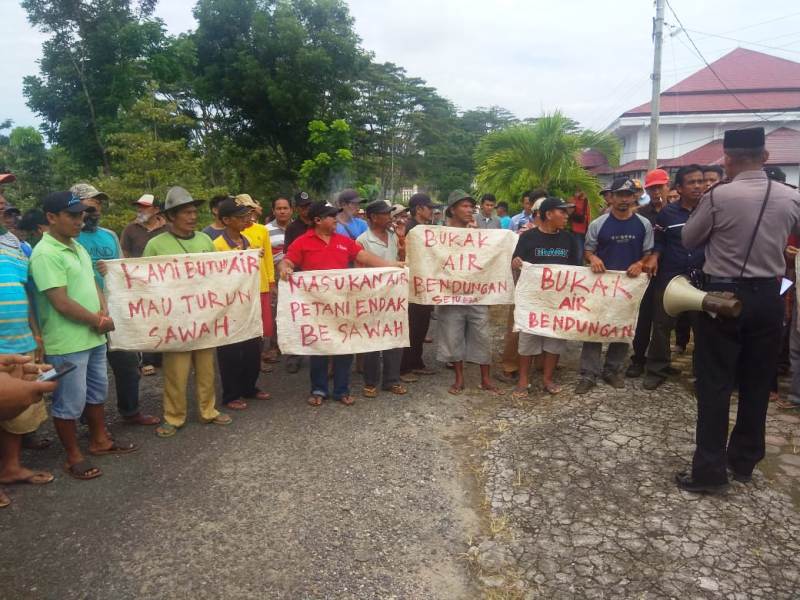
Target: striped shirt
276, 238
15, 331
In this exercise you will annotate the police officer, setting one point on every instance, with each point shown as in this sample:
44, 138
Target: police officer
744, 223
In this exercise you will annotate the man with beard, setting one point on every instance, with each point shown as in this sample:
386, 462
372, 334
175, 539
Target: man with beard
147, 224
668, 260
102, 244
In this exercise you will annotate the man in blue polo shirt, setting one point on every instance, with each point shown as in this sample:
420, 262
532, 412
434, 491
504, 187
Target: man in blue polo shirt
619, 240
668, 260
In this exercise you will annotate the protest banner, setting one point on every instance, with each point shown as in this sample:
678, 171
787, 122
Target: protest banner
184, 302
343, 311
572, 303
452, 265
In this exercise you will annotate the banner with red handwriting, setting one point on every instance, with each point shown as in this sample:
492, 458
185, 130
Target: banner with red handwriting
343, 311
452, 265
184, 302
572, 303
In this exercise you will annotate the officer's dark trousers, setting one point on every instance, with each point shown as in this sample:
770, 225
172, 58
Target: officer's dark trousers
730, 350
644, 325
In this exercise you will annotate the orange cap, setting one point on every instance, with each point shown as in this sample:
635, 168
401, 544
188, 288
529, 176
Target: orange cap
656, 177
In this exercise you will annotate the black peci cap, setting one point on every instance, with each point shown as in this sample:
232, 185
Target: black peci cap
744, 139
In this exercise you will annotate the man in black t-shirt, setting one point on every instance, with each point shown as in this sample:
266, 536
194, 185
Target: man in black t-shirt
548, 244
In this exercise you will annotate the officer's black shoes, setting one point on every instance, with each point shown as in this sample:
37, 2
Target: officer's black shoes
583, 387
740, 477
635, 370
672, 371
687, 484
651, 381
615, 380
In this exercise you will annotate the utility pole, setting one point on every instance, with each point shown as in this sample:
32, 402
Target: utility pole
655, 102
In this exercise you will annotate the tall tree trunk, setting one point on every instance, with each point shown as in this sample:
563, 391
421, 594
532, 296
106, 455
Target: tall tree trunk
92, 115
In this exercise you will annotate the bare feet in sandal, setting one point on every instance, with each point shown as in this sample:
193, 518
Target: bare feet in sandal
456, 390
347, 400
491, 389
315, 400
518, 394
552, 388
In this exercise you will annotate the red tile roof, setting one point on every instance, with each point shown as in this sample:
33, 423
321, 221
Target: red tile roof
760, 81
783, 145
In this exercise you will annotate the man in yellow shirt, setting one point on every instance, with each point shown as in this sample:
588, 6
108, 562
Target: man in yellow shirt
258, 236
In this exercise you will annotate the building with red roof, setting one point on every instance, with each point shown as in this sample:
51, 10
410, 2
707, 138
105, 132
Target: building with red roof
744, 88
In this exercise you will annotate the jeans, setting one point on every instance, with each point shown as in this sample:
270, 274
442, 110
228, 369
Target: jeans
391, 368
318, 368
591, 355
87, 384
125, 366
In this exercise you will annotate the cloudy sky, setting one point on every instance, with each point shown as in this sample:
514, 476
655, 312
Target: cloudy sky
590, 59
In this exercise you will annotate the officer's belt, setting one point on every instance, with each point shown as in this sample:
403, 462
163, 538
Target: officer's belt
736, 280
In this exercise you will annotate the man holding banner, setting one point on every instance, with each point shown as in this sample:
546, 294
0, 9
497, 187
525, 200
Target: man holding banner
321, 248
180, 210
618, 240
547, 244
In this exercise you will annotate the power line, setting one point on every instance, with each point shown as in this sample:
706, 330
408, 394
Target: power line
724, 37
710, 68
794, 14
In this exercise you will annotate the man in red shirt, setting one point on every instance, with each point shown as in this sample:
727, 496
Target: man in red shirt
321, 248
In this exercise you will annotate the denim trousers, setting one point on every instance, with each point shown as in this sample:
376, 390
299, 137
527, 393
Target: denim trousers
318, 370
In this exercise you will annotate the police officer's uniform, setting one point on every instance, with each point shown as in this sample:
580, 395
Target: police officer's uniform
744, 224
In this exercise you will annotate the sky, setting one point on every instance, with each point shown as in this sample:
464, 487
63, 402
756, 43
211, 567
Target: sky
591, 60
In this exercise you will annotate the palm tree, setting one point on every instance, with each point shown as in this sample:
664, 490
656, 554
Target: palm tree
544, 153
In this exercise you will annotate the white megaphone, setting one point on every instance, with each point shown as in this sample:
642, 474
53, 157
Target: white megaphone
681, 296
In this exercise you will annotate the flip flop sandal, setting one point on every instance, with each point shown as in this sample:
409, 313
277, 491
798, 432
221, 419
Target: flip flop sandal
455, 390
409, 378
519, 394
315, 400
220, 419
37, 478
148, 370
265, 368
4, 500
370, 391
491, 390
166, 430
236, 405
398, 389
424, 372
116, 448
262, 396
81, 470
346, 400
553, 389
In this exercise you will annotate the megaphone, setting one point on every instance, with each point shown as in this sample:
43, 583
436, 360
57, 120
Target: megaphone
681, 296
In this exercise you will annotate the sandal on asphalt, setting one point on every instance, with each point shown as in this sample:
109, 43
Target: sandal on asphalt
83, 470
552, 388
315, 400
398, 389
35, 478
166, 430
141, 419
409, 378
347, 400
220, 419
115, 448
519, 394
4, 499
492, 390
456, 390
425, 371
370, 391
262, 396
786, 404
148, 370
236, 405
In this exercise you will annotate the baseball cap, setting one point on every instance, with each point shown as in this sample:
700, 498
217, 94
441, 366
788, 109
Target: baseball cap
232, 208
379, 207
553, 203
420, 199
145, 200
31, 220
323, 209
348, 196
622, 184
7, 178
398, 209
656, 177
457, 196
246, 200
302, 199
177, 197
57, 202
85, 190
12, 210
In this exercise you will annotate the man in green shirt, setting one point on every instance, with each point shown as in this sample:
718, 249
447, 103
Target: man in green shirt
74, 321
180, 210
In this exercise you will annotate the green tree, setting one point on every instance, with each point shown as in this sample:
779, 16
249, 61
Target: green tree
542, 154
28, 159
328, 169
93, 64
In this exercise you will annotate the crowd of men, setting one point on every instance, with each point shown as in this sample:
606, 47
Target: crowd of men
718, 233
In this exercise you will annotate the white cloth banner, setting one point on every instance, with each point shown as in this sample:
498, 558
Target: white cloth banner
452, 265
343, 311
572, 303
184, 302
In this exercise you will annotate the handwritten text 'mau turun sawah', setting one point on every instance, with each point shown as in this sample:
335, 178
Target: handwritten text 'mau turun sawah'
343, 311
573, 303
452, 265
186, 302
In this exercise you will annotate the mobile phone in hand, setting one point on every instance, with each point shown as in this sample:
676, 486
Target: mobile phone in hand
57, 372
